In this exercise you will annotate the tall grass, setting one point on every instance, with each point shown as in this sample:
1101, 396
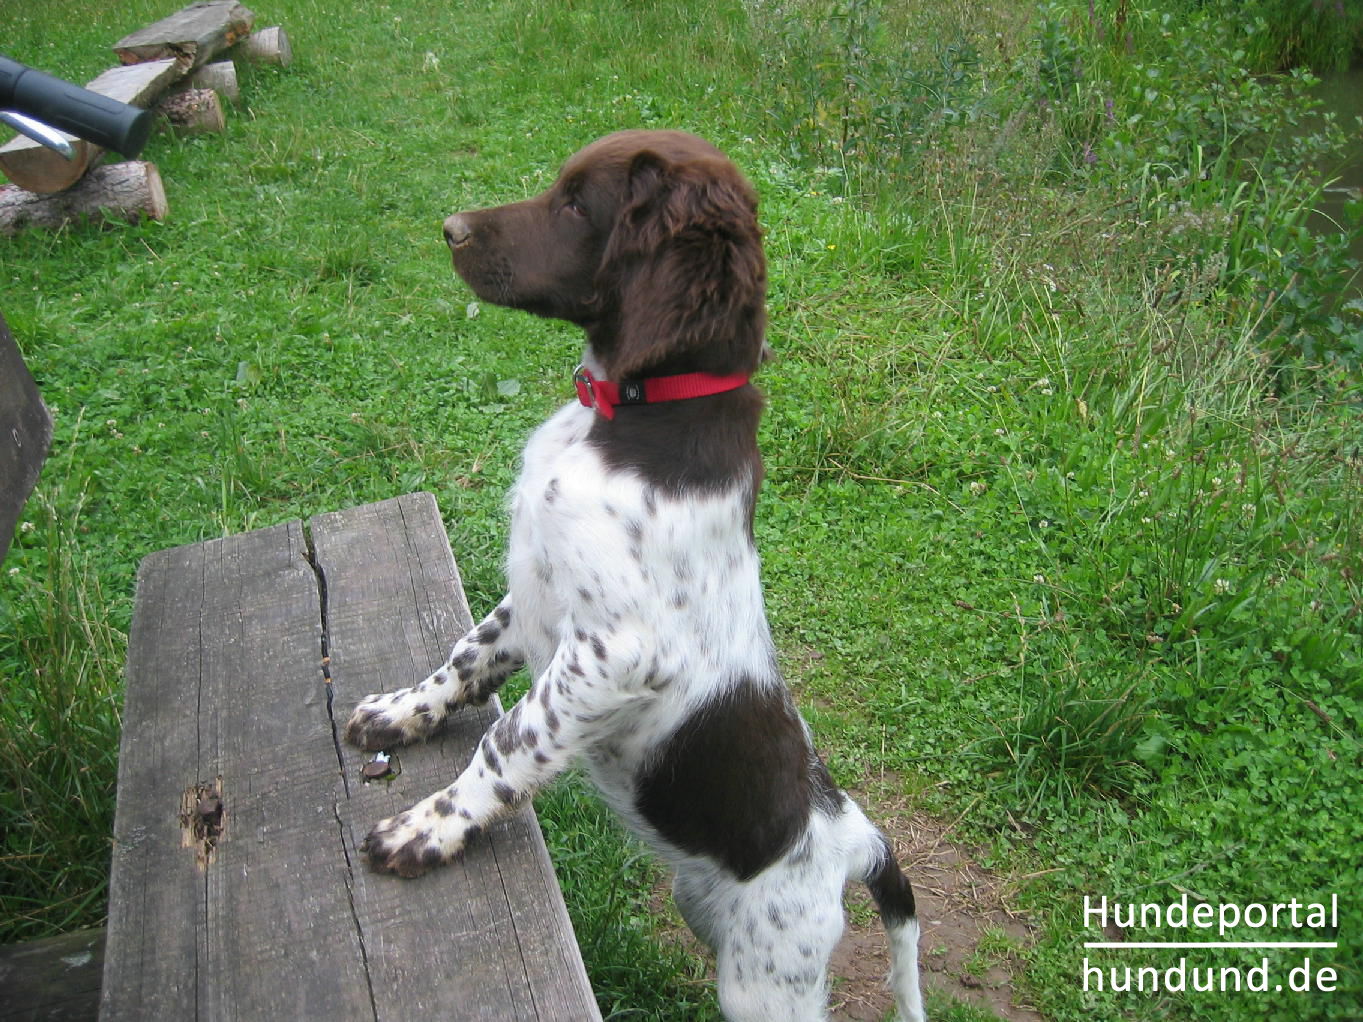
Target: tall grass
61, 664
1283, 34
1106, 347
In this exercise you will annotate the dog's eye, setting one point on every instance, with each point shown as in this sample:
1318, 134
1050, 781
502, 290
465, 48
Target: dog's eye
575, 207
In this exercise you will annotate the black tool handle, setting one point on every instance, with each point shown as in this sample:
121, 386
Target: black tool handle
85, 114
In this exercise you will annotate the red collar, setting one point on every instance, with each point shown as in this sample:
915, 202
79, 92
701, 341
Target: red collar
604, 395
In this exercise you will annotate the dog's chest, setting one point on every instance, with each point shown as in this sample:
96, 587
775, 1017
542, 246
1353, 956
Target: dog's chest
669, 582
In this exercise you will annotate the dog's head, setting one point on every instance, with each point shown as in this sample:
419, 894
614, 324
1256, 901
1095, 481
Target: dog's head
647, 239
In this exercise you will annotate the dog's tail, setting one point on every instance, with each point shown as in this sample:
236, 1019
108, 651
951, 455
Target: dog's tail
894, 898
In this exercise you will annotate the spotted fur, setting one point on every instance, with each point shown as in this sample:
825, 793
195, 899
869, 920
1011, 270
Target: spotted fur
635, 600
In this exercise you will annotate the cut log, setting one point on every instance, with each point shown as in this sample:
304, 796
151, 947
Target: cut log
118, 192
192, 35
194, 112
220, 76
36, 168
268, 46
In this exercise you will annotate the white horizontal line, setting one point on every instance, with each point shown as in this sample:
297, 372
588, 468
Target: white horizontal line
1211, 944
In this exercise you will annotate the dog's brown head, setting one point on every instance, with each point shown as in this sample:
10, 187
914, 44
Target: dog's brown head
648, 240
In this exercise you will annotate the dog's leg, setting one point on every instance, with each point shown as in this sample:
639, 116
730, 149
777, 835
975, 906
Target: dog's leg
874, 864
520, 752
904, 970
479, 663
894, 898
781, 928
691, 888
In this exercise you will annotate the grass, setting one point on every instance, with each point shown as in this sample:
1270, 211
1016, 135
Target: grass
1061, 517
58, 733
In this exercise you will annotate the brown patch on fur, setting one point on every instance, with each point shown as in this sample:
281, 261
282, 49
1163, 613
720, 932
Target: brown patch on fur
959, 903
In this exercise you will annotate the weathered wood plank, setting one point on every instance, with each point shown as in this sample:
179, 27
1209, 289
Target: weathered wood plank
25, 434
492, 928
225, 691
191, 35
265, 911
149, 969
138, 84
54, 980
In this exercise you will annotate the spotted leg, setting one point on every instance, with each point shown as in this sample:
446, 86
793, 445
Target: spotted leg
479, 663
520, 752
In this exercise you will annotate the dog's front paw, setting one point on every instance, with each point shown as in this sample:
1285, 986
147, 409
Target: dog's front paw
387, 720
399, 845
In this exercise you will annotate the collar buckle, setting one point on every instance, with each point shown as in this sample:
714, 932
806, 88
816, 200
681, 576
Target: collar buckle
584, 382
591, 392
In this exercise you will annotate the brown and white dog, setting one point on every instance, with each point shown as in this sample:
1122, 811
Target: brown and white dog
635, 599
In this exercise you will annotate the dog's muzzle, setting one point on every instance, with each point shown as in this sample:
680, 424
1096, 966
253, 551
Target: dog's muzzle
457, 231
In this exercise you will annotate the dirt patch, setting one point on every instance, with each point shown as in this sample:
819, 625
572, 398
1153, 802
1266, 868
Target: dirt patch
969, 933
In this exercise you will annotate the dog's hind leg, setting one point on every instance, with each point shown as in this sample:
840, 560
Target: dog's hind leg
692, 888
894, 898
774, 944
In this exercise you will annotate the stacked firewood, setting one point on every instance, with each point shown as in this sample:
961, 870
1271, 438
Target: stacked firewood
184, 66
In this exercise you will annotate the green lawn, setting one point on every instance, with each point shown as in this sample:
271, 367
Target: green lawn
1061, 527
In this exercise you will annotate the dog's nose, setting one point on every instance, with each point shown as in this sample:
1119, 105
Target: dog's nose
457, 231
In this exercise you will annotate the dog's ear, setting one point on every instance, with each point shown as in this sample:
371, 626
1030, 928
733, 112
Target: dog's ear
683, 280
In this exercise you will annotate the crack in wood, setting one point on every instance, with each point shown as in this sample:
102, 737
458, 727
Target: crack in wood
354, 912
310, 555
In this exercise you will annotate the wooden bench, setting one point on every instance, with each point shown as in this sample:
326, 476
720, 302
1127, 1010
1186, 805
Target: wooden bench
52, 980
237, 890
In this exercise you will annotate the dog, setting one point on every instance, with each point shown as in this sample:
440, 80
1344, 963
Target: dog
634, 594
